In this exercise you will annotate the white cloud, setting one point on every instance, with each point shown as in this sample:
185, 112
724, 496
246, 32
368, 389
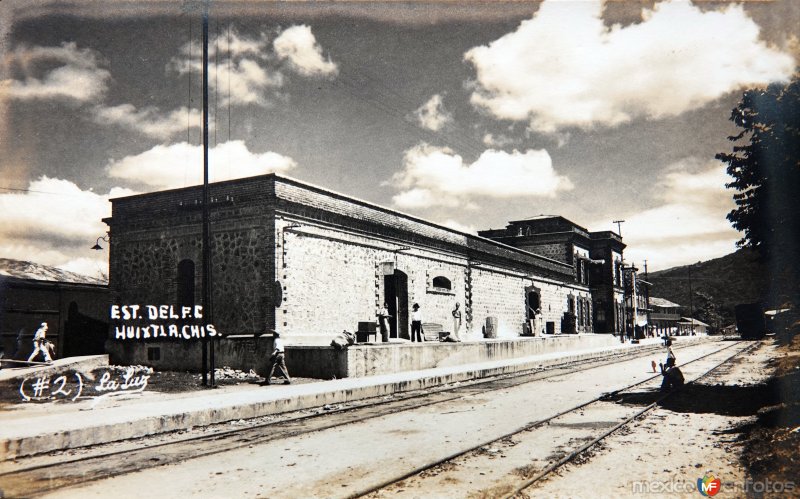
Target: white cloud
149, 121
432, 115
78, 78
689, 225
564, 68
436, 176
55, 223
299, 46
179, 165
469, 229
247, 70
243, 74
500, 140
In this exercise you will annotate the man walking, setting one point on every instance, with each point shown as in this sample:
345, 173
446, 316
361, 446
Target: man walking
40, 344
278, 360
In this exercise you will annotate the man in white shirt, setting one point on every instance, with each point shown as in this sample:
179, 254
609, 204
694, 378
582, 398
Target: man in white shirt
40, 344
383, 322
416, 324
278, 360
456, 322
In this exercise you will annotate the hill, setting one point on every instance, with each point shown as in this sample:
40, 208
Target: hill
21, 269
717, 286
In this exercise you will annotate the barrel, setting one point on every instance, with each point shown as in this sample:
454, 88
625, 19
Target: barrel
490, 330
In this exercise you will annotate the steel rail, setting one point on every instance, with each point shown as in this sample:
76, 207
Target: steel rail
561, 462
522, 429
249, 436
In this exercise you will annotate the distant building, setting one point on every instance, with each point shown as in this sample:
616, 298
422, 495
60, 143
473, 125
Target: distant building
595, 259
688, 326
74, 306
637, 303
664, 316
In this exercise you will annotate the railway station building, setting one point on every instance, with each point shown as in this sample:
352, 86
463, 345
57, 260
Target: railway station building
310, 263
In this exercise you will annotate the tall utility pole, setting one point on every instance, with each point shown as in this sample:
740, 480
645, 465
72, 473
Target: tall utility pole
619, 226
622, 283
691, 301
206, 245
647, 296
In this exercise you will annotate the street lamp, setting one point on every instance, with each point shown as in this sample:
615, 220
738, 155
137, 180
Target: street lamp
97, 246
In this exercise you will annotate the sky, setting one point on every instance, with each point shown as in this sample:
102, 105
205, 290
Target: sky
469, 115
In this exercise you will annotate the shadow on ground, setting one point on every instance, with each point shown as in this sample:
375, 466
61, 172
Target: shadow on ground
771, 439
779, 395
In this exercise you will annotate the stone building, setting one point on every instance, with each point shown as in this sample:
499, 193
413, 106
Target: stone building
310, 263
594, 257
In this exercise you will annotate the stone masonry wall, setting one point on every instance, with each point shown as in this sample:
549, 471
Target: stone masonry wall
497, 295
332, 280
152, 233
145, 270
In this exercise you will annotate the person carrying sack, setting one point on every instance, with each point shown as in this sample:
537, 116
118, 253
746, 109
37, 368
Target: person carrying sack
40, 344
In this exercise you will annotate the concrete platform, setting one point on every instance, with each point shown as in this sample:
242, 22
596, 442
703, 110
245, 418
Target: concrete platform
371, 359
29, 429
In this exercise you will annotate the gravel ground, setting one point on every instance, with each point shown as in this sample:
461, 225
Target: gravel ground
740, 426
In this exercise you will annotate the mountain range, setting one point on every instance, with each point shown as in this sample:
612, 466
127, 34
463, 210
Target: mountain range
710, 290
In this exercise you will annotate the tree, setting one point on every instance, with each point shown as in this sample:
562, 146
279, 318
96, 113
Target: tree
765, 166
707, 310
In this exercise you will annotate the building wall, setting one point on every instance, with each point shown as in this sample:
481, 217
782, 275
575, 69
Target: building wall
152, 234
323, 269
500, 295
333, 270
329, 285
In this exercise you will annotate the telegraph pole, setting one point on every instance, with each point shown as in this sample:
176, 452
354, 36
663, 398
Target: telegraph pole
691, 300
206, 244
647, 296
619, 226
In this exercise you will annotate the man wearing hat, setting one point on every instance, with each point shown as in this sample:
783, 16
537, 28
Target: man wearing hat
278, 360
40, 344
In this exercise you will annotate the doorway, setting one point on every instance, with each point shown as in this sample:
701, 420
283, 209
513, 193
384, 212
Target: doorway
533, 303
395, 294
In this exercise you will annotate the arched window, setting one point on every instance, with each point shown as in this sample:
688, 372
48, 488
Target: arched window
185, 283
442, 282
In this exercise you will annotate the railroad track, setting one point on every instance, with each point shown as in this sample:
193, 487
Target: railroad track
41, 474
520, 484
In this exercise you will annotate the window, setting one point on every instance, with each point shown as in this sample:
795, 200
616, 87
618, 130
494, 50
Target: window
442, 283
185, 283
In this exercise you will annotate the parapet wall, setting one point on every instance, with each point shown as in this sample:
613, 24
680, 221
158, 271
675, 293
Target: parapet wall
369, 360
